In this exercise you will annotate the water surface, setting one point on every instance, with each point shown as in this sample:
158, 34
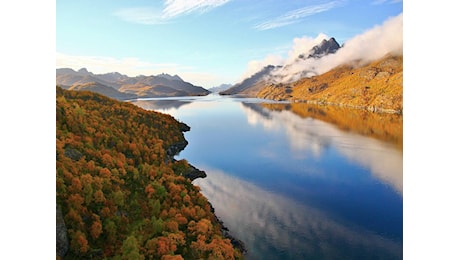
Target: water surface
295, 181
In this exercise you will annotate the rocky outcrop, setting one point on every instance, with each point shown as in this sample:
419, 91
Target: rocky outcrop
62, 241
324, 48
73, 154
193, 173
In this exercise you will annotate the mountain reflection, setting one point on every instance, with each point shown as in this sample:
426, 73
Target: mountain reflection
382, 154
160, 104
275, 227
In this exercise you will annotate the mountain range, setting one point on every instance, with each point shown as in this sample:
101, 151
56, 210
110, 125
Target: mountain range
122, 87
221, 87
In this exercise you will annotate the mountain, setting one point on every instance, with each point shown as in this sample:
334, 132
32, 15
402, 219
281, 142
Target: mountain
289, 72
324, 48
68, 77
165, 86
376, 86
104, 90
167, 76
220, 88
162, 85
251, 85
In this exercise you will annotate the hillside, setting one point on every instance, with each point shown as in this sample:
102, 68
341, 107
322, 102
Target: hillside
162, 85
119, 192
252, 85
103, 90
376, 86
220, 88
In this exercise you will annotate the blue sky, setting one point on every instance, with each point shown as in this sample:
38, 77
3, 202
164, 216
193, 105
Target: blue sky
206, 42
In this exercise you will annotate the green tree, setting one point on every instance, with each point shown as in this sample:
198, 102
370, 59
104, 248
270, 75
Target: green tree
130, 249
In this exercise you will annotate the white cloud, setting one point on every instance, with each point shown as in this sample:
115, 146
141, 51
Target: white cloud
170, 10
297, 15
299, 46
178, 7
302, 45
141, 15
255, 66
370, 45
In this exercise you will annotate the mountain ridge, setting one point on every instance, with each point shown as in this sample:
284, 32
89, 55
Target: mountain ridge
162, 85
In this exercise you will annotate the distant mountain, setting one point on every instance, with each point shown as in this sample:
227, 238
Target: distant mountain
167, 76
253, 84
272, 74
104, 90
220, 88
163, 85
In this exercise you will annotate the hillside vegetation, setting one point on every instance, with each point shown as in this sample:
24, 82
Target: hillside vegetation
376, 86
119, 192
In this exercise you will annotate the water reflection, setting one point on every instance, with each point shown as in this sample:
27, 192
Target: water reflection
274, 227
383, 159
295, 181
160, 105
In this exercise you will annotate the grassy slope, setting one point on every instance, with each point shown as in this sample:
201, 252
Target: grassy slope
377, 86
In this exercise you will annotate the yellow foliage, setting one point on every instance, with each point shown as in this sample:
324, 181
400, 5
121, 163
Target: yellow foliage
377, 86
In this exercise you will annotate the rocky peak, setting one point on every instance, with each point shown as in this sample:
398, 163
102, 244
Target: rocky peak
84, 71
167, 76
324, 48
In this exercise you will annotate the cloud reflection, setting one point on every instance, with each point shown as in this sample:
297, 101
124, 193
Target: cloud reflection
307, 135
272, 225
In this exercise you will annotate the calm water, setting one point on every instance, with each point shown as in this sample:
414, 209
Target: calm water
291, 186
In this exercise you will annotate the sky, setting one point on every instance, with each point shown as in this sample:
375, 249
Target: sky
205, 42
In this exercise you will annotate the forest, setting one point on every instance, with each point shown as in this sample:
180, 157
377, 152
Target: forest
120, 194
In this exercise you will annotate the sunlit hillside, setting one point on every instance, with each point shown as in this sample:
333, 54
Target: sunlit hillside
377, 86
119, 192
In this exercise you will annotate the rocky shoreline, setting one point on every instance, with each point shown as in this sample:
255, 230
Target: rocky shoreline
193, 173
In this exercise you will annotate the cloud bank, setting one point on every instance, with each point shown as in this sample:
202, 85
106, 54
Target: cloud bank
370, 45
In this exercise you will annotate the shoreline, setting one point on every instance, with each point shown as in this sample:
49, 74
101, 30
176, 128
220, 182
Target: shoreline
192, 173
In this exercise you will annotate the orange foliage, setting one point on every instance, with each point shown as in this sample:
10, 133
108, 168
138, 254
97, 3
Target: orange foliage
116, 183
